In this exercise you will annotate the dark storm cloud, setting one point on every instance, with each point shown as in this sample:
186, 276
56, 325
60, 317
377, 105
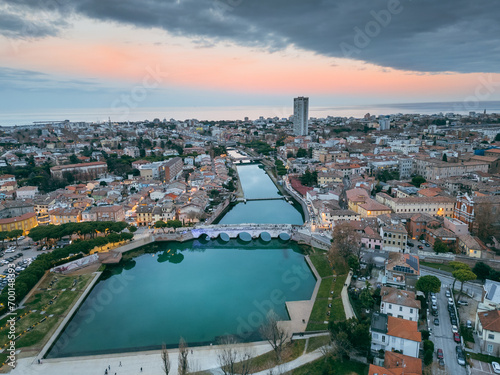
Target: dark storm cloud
420, 35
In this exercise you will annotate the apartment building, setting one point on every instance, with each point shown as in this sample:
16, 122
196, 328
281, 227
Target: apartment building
83, 171
441, 206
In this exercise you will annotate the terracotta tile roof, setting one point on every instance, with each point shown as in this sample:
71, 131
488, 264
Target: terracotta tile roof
399, 297
402, 364
490, 320
405, 329
372, 205
377, 370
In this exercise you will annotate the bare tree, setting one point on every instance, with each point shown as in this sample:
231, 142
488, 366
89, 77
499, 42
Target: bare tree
275, 335
183, 367
165, 360
345, 240
231, 360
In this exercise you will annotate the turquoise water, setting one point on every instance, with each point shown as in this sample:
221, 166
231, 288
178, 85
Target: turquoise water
194, 290
257, 184
200, 291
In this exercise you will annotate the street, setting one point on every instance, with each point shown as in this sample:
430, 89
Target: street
442, 335
472, 289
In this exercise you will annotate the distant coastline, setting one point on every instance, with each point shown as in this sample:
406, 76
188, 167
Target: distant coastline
22, 118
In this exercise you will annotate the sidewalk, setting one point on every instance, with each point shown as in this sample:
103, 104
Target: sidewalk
349, 312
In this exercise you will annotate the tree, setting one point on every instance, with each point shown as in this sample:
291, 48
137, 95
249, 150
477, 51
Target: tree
440, 246
132, 228
301, 153
457, 266
183, 363
482, 270
417, 181
160, 224
231, 360
165, 360
445, 157
365, 297
427, 284
309, 178
497, 137
174, 223
463, 275
73, 159
345, 241
274, 334
353, 262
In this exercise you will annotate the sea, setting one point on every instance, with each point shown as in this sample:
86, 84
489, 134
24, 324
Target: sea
99, 115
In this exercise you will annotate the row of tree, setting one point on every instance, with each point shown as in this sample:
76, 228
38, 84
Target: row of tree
86, 229
28, 278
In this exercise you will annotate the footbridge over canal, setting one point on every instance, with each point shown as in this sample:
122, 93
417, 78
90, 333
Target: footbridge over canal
244, 232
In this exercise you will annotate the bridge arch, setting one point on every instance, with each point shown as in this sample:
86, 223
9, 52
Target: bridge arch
224, 237
265, 236
285, 237
245, 236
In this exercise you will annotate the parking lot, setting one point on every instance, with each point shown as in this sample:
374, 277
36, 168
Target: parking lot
481, 368
24, 247
415, 248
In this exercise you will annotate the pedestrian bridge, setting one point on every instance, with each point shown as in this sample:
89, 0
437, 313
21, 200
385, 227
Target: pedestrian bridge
244, 232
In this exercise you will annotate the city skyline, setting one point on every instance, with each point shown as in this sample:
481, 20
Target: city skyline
227, 53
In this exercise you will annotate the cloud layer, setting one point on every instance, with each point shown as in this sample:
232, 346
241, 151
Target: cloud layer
416, 35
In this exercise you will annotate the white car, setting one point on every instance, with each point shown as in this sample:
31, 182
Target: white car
9, 250
454, 328
496, 367
3, 261
450, 301
434, 299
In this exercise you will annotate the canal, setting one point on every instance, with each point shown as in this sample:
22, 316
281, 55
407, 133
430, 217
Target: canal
198, 291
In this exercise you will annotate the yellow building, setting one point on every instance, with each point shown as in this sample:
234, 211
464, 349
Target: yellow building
469, 246
372, 209
65, 215
24, 222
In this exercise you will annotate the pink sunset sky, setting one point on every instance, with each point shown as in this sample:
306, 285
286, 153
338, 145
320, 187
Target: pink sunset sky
92, 56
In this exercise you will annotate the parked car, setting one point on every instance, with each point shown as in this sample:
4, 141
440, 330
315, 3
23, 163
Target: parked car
453, 321
450, 301
410, 244
460, 356
463, 303
496, 367
456, 337
454, 329
427, 245
440, 354
469, 324
448, 294
434, 299
420, 247
436, 321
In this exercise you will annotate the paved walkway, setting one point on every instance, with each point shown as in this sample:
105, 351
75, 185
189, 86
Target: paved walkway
349, 312
202, 358
285, 367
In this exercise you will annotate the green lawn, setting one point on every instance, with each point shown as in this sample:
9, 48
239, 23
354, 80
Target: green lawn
321, 263
337, 311
325, 288
268, 360
34, 331
442, 267
317, 342
318, 313
331, 366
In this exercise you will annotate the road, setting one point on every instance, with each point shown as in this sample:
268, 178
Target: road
442, 335
474, 288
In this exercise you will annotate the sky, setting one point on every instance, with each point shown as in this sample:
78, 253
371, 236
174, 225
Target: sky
187, 53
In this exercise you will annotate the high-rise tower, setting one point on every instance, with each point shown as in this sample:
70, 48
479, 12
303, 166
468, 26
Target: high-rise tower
300, 115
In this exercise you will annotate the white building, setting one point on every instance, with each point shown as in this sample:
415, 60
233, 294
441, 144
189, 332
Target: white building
300, 115
399, 303
389, 334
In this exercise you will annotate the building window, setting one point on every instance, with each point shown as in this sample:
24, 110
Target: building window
390, 306
383, 339
411, 311
491, 336
490, 348
400, 308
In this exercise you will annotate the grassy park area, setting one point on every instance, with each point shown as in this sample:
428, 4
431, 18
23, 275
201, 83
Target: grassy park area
328, 293
43, 312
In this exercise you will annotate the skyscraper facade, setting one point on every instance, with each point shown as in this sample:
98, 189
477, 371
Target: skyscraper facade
300, 115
